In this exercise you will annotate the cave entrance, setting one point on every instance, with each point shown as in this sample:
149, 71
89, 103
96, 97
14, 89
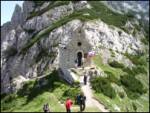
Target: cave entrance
79, 58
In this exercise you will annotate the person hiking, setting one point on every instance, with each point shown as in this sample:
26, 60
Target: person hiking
85, 79
68, 105
46, 108
78, 99
82, 102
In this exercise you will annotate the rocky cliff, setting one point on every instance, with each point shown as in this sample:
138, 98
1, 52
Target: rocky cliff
30, 41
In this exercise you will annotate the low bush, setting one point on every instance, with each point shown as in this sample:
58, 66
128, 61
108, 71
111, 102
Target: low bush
115, 64
111, 77
76, 84
102, 85
135, 70
26, 89
71, 93
136, 59
134, 106
9, 97
132, 84
131, 94
121, 94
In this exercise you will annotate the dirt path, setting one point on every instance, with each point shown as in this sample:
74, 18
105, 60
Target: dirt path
90, 101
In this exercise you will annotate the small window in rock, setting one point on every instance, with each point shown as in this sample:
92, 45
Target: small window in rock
79, 43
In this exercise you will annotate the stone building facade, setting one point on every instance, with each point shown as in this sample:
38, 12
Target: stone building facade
74, 53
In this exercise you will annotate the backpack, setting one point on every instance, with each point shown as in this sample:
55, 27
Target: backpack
82, 99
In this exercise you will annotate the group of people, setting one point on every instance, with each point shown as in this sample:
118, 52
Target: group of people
80, 100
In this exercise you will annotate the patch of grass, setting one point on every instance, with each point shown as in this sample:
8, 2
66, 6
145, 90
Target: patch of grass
145, 41
50, 6
107, 15
87, 109
105, 67
115, 64
121, 94
102, 85
135, 70
125, 104
112, 78
136, 59
133, 90
125, 96
32, 97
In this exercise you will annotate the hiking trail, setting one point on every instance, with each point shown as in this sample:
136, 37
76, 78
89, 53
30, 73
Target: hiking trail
90, 101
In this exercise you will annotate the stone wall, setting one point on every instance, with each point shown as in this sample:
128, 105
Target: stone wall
68, 53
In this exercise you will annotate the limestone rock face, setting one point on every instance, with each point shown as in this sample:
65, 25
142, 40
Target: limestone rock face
100, 34
17, 17
50, 50
28, 6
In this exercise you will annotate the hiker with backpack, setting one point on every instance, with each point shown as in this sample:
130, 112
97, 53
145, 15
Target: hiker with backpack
82, 99
46, 108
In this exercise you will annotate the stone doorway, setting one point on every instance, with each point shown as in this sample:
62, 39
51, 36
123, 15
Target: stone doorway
79, 59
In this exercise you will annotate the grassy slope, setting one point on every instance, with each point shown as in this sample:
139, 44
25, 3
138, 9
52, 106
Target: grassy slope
124, 104
32, 99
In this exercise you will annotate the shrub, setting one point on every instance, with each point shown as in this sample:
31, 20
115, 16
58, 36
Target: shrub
139, 69
102, 85
136, 59
145, 41
132, 84
134, 106
111, 77
115, 64
26, 89
10, 97
76, 83
121, 94
131, 94
71, 93
135, 70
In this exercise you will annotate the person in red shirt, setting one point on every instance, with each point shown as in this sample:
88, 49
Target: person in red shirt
68, 104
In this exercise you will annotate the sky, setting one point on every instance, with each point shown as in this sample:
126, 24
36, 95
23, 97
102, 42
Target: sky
7, 9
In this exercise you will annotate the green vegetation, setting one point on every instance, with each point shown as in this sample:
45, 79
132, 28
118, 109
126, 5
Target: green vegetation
35, 93
50, 6
102, 85
137, 59
112, 78
105, 67
134, 88
107, 15
130, 84
115, 64
145, 41
96, 12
